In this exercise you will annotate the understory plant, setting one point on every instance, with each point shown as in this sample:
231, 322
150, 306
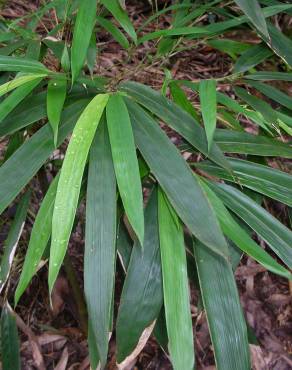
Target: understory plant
166, 213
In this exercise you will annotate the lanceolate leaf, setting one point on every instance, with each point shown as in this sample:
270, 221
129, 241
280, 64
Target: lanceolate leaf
263, 179
142, 295
11, 242
16, 97
244, 143
175, 287
241, 238
209, 108
121, 16
55, 101
221, 302
82, 33
11, 85
100, 239
176, 179
18, 64
29, 158
39, 238
114, 31
10, 351
273, 93
179, 31
252, 57
278, 236
31, 110
253, 11
70, 182
125, 162
176, 118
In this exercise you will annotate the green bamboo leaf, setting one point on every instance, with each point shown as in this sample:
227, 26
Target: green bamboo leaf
125, 162
39, 238
275, 234
56, 95
176, 179
142, 294
181, 99
31, 110
124, 245
19, 64
262, 179
273, 93
279, 43
121, 16
252, 57
100, 239
175, 279
234, 106
10, 350
259, 105
177, 31
11, 242
270, 76
18, 81
241, 238
86, 17
245, 143
12, 101
114, 31
209, 108
34, 152
176, 118
70, 182
230, 47
254, 12
225, 317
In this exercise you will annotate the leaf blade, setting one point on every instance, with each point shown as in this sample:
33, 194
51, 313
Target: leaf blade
126, 162
70, 182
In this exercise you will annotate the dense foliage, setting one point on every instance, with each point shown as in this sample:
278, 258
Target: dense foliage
164, 219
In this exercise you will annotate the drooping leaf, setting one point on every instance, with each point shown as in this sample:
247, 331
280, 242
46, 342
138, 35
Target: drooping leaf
225, 318
121, 16
209, 108
280, 43
263, 179
276, 235
100, 239
179, 31
270, 76
176, 179
245, 143
7, 105
241, 238
125, 162
114, 31
39, 238
176, 118
175, 279
273, 93
252, 57
31, 110
11, 242
180, 98
84, 24
142, 295
10, 350
29, 158
70, 182
18, 64
18, 81
254, 12
56, 96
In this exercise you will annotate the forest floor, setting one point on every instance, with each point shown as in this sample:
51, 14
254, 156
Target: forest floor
52, 338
